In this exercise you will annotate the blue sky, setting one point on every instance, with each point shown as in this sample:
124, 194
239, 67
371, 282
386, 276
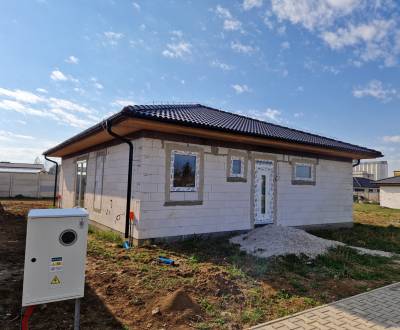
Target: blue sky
325, 66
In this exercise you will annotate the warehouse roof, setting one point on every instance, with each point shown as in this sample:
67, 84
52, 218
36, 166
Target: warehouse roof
200, 116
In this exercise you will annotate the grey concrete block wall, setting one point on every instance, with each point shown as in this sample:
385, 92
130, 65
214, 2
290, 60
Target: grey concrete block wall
226, 206
34, 185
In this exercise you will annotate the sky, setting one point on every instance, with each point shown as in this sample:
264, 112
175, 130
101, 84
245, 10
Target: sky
329, 67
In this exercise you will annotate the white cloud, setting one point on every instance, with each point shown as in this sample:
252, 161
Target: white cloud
57, 75
372, 38
177, 33
42, 90
98, 85
313, 14
239, 89
123, 102
9, 136
71, 119
241, 48
392, 139
223, 12
269, 114
375, 89
221, 65
72, 60
285, 45
230, 23
298, 115
60, 110
177, 50
21, 96
113, 38
136, 6
249, 4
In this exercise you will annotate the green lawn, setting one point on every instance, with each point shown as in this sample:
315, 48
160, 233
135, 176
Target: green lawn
375, 228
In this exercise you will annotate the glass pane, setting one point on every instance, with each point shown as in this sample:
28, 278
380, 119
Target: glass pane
184, 171
80, 186
303, 171
263, 186
236, 166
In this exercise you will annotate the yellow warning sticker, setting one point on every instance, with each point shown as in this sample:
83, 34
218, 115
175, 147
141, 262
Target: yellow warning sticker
55, 281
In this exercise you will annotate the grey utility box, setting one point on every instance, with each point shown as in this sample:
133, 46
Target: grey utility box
55, 255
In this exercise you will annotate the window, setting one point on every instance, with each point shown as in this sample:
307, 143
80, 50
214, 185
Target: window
303, 172
98, 181
184, 171
80, 182
237, 167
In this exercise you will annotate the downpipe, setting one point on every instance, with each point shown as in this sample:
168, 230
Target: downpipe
55, 180
127, 244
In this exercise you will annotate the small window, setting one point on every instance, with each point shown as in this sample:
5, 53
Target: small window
184, 171
303, 172
237, 167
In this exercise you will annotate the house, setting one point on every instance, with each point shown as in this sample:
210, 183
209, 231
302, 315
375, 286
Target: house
390, 192
378, 169
365, 189
178, 170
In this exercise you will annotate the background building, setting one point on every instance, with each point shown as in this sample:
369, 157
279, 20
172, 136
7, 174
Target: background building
377, 169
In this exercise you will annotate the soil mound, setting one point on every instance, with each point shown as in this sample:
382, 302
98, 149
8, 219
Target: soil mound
179, 300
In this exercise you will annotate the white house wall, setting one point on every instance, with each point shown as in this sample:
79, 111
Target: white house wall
390, 197
226, 205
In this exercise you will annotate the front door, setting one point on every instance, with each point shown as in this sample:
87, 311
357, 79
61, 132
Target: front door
264, 192
80, 182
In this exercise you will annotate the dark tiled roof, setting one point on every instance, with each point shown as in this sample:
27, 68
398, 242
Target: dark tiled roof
394, 180
364, 183
203, 116
200, 116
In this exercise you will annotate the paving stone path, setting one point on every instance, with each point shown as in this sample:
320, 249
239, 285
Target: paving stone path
376, 309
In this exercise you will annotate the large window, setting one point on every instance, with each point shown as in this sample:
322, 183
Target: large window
184, 171
98, 181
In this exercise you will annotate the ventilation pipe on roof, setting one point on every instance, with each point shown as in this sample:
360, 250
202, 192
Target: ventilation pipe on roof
356, 163
108, 127
55, 180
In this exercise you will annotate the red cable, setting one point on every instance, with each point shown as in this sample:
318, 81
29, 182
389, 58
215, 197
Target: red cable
27, 315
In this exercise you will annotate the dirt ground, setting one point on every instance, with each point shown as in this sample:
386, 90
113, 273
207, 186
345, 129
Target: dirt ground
213, 286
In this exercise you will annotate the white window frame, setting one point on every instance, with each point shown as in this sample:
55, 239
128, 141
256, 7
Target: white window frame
310, 179
196, 175
99, 155
237, 175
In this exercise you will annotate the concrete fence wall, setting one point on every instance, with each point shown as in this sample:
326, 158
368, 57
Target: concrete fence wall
36, 185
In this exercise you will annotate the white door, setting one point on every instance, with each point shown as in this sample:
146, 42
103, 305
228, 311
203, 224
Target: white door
264, 192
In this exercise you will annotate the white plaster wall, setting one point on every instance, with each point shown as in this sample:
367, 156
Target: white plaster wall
330, 200
390, 197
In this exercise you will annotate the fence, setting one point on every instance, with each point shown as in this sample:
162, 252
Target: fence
36, 185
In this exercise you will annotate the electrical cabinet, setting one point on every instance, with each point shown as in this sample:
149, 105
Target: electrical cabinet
55, 255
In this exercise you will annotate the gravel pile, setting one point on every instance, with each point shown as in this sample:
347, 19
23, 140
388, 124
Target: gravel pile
272, 240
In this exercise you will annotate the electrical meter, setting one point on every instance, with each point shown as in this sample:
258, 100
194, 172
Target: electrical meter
55, 255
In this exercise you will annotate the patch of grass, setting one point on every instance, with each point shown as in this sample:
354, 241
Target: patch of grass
375, 227
106, 235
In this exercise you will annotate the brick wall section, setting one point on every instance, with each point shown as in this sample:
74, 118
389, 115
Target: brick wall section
226, 205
